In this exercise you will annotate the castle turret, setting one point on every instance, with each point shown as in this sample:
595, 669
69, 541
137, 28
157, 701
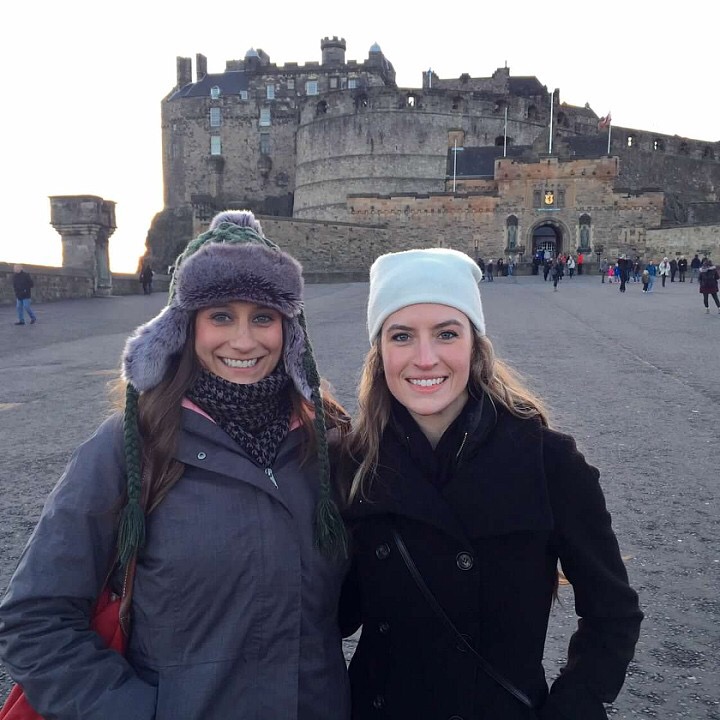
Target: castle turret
333, 50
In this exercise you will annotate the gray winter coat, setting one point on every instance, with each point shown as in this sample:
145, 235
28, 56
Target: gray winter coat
234, 609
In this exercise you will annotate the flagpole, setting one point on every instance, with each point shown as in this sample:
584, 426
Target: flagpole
609, 135
552, 100
505, 134
454, 163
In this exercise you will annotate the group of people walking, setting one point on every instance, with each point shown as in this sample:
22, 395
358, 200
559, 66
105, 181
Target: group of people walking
248, 524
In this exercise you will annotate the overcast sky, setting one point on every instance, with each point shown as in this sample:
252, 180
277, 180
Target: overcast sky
83, 83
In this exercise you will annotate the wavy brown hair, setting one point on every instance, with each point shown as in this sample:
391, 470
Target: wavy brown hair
487, 374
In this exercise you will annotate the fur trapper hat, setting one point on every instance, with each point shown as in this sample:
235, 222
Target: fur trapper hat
232, 261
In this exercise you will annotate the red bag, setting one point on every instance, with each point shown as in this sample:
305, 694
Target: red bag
108, 621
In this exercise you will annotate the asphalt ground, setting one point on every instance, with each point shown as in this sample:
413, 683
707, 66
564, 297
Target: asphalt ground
634, 377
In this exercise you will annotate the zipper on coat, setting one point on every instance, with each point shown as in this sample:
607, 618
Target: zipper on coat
462, 445
269, 473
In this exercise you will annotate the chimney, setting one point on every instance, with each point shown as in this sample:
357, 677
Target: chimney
333, 50
184, 71
200, 66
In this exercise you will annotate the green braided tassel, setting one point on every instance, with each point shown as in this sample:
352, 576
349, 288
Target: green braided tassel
330, 533
131, 532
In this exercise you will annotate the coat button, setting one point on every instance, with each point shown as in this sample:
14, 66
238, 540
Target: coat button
384, 628
382, 552
201, 455
464, 561
379, 702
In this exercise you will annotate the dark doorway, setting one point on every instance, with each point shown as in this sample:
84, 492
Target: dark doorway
548, 238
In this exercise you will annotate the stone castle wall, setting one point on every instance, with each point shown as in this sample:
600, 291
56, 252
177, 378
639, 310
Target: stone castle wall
55, 283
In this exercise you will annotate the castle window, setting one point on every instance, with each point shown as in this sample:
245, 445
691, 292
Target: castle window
500, 140
562, 120
658, 144
264, 143
215, 117
532, 113
321, 108
291, 84
352, 83
214, 92
334, 83
270, 92
361, 102
412, 101
311, 87
500, 106
215, 145
265, 117
457, 103
631, 141
243, 94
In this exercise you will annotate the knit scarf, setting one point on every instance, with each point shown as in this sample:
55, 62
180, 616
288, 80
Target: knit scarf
255, 416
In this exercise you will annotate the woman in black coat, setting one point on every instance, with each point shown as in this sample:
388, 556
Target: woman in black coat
452, 460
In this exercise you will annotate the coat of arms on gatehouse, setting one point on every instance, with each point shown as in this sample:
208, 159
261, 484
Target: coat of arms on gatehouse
549, 197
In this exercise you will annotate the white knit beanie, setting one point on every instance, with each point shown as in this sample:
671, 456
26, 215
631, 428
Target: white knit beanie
437, 275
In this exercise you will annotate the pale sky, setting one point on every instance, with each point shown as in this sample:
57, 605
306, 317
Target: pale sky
84, 82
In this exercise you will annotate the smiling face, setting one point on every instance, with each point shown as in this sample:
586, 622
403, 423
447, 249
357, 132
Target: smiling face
239, 341
426, 353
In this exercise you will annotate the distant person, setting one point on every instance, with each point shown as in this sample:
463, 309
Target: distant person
146, 278
673, 269
556, 273
623, 269
682, 268
652, 269
580, 263
570, 265
708, 280
645, 280
636, 270
22, 285
664, 270
490, 267
695, 264
481, 265
603, 269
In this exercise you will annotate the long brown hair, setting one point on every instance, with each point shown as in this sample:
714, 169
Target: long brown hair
487, 374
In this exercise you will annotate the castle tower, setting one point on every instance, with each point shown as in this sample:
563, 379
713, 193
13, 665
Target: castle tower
333, 50
85, 223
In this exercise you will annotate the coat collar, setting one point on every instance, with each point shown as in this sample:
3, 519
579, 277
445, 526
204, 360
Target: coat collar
400, 488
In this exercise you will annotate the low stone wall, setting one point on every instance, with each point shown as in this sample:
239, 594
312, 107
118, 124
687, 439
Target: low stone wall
56, 283
684, 240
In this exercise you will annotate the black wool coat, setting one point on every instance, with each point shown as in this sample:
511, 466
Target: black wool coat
516, 498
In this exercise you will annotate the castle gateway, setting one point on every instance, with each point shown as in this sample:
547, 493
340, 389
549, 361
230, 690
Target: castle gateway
343, 165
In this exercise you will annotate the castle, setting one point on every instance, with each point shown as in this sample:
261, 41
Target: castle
343, 165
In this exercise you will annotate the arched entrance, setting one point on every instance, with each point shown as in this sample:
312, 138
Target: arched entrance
547, 237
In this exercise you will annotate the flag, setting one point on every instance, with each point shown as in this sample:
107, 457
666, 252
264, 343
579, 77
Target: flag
604, 121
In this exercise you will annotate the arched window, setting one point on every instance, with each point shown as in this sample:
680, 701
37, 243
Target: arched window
631, 141
412, 100
658, 144
562, 120
512, 229
321, 108
500, 141
458, 103
532, 113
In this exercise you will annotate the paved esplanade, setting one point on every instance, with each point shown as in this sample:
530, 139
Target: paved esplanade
634, 377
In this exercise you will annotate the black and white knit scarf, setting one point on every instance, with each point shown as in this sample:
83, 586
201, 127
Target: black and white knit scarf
256, 416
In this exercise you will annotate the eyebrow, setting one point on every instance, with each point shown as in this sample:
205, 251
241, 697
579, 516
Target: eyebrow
439, 326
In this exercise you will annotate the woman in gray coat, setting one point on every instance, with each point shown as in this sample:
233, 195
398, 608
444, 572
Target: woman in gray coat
215, 480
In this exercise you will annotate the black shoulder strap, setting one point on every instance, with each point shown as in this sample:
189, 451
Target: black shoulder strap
438, 610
